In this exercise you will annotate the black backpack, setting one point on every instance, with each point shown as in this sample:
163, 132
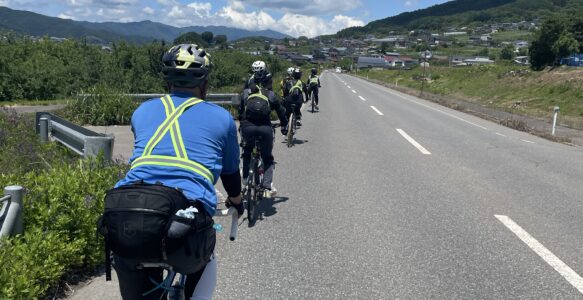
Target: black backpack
295, 90
257, 107
136, 220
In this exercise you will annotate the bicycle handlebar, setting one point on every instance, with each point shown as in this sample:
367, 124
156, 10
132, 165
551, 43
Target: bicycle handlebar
234, 218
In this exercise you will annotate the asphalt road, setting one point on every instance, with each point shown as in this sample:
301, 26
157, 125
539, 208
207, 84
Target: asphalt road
386, 196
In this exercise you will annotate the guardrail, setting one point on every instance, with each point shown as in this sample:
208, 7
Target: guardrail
81, 140
226, 98
88, 143
11, 212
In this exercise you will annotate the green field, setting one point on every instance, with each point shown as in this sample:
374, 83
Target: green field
531, 93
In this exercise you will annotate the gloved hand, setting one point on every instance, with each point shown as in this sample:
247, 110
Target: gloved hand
240, 207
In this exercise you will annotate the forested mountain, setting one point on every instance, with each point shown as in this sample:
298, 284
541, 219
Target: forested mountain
29, 23
467, 12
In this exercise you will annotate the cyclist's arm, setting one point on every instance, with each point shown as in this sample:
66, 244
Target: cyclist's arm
231, 177
279, 109
242, 103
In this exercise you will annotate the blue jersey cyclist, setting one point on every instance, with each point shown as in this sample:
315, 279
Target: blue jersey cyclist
186, 144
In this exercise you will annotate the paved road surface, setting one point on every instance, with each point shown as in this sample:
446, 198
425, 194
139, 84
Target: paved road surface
387, 196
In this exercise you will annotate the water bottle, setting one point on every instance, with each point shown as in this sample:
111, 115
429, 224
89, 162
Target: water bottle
218, 227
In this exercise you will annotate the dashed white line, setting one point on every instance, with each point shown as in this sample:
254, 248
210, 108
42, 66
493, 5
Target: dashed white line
500, 134
527, 141
413, 142
427, 106
378, 111
571, 276
348, 86
361, 98
354, 91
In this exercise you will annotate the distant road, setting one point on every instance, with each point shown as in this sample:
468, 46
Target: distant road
387, 196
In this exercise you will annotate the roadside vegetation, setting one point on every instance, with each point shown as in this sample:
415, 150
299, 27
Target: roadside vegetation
63, 197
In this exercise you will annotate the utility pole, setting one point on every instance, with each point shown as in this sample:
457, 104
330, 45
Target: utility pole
424, 66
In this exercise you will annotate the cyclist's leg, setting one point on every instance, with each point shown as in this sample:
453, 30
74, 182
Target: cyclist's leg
298, 111
247, 134
133, 282
316, 95
201, 284
266, 155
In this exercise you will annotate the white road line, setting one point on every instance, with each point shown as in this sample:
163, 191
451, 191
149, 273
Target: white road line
413, 142
354, 91
500, 134
361, 98
427, 106
348, 86
526, 141
378, 111
557, 264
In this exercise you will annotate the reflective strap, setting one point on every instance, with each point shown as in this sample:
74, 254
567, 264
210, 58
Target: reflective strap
175, 132
297, 85
314, 80
165, 126
259, 95
168, 161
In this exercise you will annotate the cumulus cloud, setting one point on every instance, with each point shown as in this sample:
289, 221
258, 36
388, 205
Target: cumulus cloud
61, 15
148, 10
411, 3
298, 25
307, 7
237, 17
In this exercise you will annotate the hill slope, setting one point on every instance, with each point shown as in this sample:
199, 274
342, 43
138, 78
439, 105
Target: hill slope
29, 23
466, 12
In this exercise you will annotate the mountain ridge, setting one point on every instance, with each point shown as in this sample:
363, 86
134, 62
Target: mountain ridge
31, 23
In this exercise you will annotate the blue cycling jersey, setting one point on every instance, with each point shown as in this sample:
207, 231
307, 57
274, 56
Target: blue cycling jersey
210, 138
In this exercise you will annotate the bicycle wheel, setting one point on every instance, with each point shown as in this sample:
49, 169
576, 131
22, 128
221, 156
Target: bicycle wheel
290, 129
250, 191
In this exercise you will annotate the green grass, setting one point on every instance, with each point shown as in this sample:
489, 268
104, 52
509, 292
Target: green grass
33, 102
534, 94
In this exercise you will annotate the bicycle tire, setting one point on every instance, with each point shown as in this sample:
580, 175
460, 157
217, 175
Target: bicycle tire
290, 128
249, 193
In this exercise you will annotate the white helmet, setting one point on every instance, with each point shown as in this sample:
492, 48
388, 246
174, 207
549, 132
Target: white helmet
258, 66
290, 70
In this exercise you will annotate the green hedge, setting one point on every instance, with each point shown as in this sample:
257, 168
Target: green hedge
64, 197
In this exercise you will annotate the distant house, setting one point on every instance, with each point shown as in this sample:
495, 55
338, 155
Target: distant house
479, 61
575, 60
456, 59
520, 44
394, 61
297, 58
371, 62
408, 61
453, 33
522, 60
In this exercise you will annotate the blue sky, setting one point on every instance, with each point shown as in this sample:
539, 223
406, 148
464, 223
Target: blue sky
293, 17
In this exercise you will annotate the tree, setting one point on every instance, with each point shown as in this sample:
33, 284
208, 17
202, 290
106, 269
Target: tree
207, 36
565, 45
221, 40
541, 48
190, 38
384, 47
507, 53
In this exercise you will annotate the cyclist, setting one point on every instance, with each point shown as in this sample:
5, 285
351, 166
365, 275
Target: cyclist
314, 85
257, 102
283, 82
293, 92
259, 66
184, 160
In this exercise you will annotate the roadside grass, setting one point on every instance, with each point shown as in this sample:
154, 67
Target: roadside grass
32, 102
502, 86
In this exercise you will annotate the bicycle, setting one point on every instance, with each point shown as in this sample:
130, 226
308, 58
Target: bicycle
291, 126
254, 190
313, 101
175, 290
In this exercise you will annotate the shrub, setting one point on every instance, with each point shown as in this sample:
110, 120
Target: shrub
104, 106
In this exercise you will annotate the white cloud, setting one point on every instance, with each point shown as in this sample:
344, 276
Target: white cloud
148, 10
61, 15
201, 9
233, 16
307, 7
411, 3
298, 25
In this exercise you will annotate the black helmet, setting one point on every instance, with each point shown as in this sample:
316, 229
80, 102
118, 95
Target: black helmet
262, 77
297, 73
314, 71
186, 65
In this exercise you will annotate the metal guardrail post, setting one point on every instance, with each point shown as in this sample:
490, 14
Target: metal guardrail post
44, 129
13, 222
95, 144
